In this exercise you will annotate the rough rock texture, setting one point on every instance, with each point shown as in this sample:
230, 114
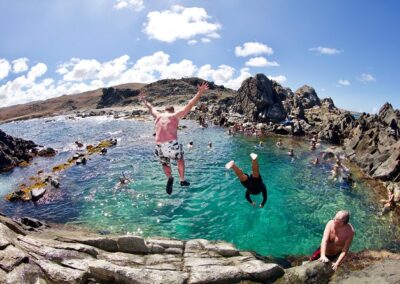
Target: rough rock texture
386, 272
308, 97
258, 101
373, 144
53, 255
114, 97
314, 272
14, 151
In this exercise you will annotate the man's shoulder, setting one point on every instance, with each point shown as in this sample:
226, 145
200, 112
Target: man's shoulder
350, 228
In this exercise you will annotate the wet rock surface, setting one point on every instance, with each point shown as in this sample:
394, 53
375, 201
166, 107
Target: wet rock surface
62, 255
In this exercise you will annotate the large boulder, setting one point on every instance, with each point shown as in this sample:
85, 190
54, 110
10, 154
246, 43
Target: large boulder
314, 272
308, 97
259, 101
13, 151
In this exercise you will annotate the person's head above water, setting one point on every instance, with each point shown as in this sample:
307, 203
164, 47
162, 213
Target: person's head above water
170, 109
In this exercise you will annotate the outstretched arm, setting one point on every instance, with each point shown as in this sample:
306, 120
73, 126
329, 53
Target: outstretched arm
152, 111
194, 100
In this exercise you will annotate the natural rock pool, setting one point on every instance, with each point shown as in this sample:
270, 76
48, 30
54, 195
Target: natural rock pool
301, 198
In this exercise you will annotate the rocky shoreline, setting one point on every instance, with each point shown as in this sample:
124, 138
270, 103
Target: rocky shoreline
32, 251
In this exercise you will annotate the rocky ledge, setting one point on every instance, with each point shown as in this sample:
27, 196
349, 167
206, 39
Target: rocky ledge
32, 251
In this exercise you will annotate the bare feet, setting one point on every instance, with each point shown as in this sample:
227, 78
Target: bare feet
229, 165
253, 156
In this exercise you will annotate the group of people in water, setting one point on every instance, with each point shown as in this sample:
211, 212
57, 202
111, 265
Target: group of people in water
338, 233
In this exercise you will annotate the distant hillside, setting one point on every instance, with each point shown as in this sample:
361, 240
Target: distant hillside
162, 92
59, 105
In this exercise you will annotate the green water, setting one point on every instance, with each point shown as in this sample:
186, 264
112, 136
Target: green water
301, 198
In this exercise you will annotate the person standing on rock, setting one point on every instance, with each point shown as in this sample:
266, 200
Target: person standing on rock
253, 183
167, 145
336, 240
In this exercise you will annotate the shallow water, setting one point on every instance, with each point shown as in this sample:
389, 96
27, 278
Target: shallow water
301, 198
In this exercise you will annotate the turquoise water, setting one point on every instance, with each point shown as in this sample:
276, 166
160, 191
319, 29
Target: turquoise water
301, 197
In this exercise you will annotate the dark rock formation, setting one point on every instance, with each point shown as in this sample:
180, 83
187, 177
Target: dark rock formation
14, 151
373, 144
115, 97
258, 100
308, 97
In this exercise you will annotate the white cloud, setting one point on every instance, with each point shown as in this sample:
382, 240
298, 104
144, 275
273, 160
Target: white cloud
185, 68
235, 83
180, 23
205, 40
344, 82
112, 69
253, 48
366, 78
156, 62
136, 5
192, 42
280, 78
20, 65
80, 75
325, 50
82, 70
219, 76
261, 62
5, 67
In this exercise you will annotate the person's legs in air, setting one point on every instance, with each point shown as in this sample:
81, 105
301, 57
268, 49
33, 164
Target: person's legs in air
254, 166
239, 173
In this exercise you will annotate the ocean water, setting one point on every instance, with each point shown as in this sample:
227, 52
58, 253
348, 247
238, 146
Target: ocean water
301, 197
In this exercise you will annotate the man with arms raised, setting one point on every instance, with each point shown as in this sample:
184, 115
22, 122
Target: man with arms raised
336, 240
167, 146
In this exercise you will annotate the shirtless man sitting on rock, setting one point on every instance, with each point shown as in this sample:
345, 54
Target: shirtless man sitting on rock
336, 240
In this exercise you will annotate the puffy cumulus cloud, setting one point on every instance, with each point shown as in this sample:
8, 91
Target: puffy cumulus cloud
366, 78
220, 76
253, 48
27, 87
235, 83
136, 5
155, 62
180, 23
280, 78
37, 71
20, 65
344, 82
261, 62
80, 75
5, 68
112, 69
324, 50
185, 68
81, 70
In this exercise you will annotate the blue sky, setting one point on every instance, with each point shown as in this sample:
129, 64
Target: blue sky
346, 50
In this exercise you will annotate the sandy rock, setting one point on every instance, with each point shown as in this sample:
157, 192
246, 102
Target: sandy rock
25, 273
11, 257
314, 272
215, 274
61, 274
123, 259
385, 272
107, 272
